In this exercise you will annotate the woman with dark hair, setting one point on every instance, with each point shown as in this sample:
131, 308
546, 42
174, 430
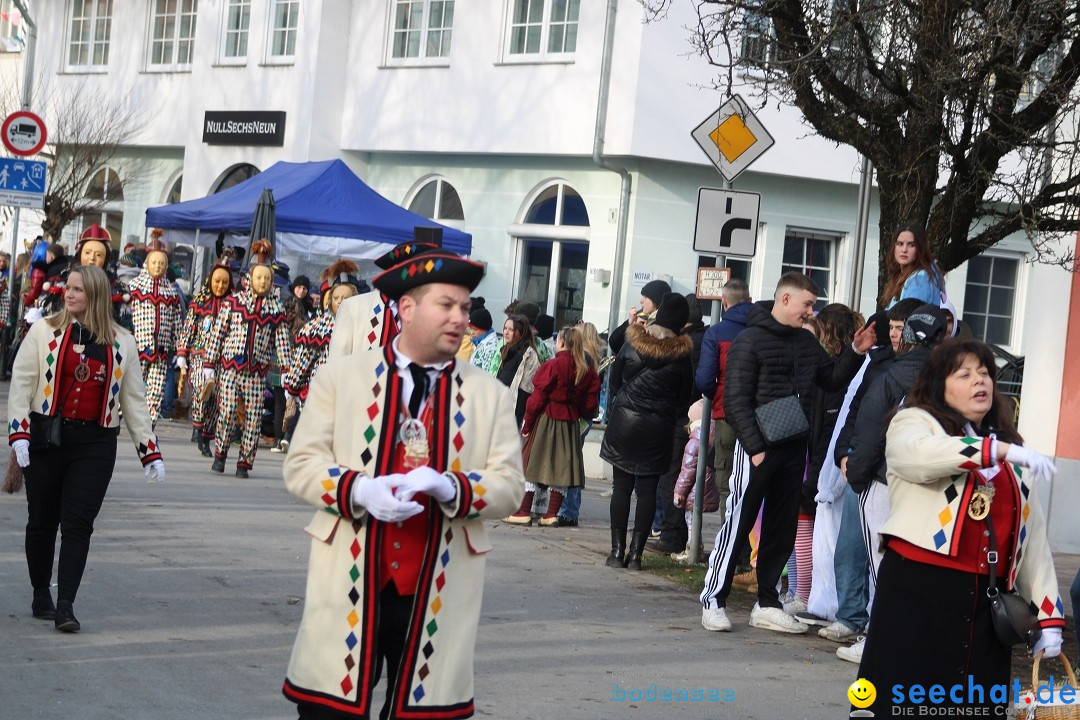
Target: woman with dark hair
911, 270
651, 384
961, 511
519, 361
75, 373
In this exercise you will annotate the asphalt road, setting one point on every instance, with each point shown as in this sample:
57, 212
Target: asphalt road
194, 591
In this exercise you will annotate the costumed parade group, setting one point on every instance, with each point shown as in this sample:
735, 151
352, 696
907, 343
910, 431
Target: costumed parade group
409, 424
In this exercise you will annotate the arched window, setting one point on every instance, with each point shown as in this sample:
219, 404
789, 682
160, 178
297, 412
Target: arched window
235, 175
174, 191
553, 252
437, 199
106, 192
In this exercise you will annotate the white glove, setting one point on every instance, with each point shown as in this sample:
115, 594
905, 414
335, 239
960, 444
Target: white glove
181, 363
376, 495
208, 374
155, 471
1040, 466
21, 448
1049, 643
32, 315
428, 481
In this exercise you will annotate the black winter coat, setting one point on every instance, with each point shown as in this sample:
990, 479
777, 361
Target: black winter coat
651, 383
866, 462
881, 359
759, 370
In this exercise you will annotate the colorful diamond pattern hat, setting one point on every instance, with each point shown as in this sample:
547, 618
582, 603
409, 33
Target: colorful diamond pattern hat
425, 239
434, 266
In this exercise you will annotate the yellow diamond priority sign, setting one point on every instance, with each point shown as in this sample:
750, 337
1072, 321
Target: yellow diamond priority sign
732, 137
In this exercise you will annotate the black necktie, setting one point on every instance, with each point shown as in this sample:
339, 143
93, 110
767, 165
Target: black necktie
419, 390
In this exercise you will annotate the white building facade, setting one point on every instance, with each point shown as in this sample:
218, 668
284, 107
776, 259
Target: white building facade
483, 116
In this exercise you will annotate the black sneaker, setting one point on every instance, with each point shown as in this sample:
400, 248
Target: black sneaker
561, 521
241, 472
219, 465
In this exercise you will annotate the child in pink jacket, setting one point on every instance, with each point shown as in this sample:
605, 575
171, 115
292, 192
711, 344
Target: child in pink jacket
684, 486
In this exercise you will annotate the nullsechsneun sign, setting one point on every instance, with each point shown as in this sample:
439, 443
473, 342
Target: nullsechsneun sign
254, 127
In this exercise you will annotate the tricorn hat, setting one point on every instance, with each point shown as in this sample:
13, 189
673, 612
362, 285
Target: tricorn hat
433, 266
424, 240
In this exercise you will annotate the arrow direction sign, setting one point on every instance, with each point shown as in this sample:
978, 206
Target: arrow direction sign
22, 183
726, 222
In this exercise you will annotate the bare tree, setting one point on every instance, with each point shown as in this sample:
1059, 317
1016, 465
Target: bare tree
967, 108
86, 132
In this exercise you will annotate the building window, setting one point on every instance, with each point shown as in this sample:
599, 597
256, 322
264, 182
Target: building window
235, 175
172, 33
543, 27
175, 191
106, 195
756, 39
237, 24
437, 200
990, 296
422, 29
286, 14
812, 253
12, 38
88, 33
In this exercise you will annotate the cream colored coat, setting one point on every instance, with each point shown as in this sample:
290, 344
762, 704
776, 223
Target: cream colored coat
930, 486
346, 428
360, 324
34, 388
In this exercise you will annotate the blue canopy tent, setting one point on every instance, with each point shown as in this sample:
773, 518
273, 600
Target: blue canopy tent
323, 210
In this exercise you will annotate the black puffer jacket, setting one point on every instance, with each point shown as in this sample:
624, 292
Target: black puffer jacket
866, 462
650, 385
881, 359
759, 370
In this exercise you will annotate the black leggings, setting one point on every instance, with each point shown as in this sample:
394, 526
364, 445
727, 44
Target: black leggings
624, 483
65, 489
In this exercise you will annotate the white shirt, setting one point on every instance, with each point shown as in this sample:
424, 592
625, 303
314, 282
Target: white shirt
402, 361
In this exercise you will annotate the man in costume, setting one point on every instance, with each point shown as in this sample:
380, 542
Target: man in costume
370, 320
250, 329
405, 453
157, 314
195, 336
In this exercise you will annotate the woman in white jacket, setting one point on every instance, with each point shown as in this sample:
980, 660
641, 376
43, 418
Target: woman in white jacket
960, 487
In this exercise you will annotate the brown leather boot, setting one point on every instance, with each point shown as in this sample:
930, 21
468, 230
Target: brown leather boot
523, 516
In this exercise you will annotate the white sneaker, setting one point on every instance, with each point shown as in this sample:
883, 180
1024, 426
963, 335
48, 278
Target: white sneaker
770, 618
839, 632
792, 603
852, 653
715, 619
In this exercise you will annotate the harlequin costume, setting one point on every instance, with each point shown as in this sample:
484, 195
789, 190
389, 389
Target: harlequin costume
409, 591
157, 315
370, 320
249, 331
195, 335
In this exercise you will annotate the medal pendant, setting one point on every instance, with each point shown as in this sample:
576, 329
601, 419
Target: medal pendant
82, 372
414, 436
979, 505
80, 349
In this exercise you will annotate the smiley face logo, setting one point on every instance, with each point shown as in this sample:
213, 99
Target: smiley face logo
862, 693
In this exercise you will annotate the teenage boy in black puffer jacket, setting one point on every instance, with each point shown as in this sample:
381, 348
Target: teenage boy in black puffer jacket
772, 359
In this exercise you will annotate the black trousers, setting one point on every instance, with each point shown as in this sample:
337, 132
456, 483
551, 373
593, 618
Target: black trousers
622, 485
776, 482
394, 612
674, 531
279, 413
64, 490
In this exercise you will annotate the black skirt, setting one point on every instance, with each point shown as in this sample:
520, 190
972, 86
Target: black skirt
931, 626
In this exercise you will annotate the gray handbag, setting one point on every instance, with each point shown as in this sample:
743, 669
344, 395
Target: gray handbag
783, 420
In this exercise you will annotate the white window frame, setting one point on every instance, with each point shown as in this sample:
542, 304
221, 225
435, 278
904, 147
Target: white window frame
109, 208
272, 30
69, 17
173, 65
1016, 330
543, 55
763, 35
424, 30
441, 183
226, 32
835, 240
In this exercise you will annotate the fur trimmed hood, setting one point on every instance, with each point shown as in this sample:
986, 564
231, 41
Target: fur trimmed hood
658, 350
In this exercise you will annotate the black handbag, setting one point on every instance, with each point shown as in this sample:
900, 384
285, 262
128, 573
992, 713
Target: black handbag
44, 431
783, 420
1015, 620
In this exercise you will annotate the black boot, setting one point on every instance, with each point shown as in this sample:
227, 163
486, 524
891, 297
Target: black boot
617, 559
195, 434
637, 546
219, 465
241, 472
65, 617
43, 607
204, 447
